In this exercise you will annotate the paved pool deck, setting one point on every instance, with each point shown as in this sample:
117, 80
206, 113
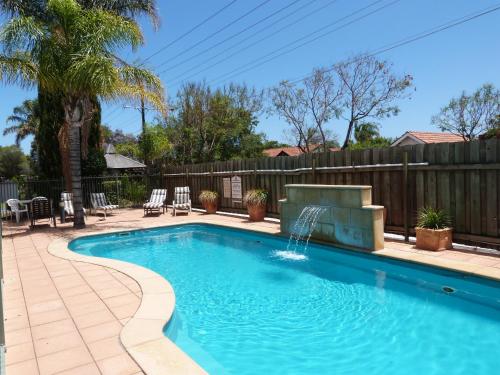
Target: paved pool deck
65, 316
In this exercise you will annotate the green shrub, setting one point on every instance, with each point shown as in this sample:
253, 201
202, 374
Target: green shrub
255, 197
432, 218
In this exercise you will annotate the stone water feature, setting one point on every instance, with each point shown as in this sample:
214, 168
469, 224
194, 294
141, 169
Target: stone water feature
346, 216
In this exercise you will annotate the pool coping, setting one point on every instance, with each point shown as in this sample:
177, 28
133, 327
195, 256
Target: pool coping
142, 336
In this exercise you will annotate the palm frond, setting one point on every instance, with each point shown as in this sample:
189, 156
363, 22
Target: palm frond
106, 31
21, 34
18, 69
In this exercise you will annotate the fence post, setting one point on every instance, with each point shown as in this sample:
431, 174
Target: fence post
313, 169
405, 197
211, 177
255, 174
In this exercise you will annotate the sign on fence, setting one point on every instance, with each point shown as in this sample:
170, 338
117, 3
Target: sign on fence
236, 188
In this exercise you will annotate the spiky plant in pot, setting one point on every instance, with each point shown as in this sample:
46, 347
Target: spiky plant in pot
209, 200
433, 229
256, 201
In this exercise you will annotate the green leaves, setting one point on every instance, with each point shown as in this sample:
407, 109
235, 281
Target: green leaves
72, 53
432, 218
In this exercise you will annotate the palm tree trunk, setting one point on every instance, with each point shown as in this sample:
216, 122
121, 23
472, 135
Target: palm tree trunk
76, 175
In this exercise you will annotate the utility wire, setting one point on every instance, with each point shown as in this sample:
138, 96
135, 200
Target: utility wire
181, 77
257, 62
424, 34
180, 37
188, 59
215, 33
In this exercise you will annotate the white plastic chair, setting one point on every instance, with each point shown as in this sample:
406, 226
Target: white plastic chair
14, 205
182, 199
156, 202
99, 202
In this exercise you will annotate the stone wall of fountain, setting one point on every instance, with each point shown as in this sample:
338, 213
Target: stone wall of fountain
348, 219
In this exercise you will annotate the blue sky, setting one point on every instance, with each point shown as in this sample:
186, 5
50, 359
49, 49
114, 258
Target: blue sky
444, 64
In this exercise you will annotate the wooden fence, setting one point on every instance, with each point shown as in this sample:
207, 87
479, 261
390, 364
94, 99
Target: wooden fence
462, 178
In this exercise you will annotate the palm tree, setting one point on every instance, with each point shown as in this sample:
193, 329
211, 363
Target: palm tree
51, 114
26, 119
73, 53
365, 132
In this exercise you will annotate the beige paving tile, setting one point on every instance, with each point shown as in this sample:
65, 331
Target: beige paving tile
64, 360
113, 292
53, 329
101, 331
19, 353
109, 347
23, 368
55, 344
126, 299
48, 316
18, 336
93, 319
45, 306
118, 365
74, 291
16, 323
89, 369
126, 311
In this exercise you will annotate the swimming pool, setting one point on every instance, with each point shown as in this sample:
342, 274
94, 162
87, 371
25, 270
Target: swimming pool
240, 309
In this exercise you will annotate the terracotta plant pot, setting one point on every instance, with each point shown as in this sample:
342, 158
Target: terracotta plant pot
257, 213
210, 207
434, 239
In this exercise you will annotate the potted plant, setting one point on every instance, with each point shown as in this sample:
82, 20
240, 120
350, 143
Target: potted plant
256, 201
209, 200
433, 230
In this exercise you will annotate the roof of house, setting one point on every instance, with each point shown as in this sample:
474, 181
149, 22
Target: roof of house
283, 151
429, 137
118, 161
292, 151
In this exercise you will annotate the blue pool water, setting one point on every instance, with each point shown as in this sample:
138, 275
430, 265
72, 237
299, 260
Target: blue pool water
240, 309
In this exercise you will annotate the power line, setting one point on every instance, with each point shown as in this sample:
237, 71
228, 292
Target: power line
245, 48
230, 37
180, 37
216, 32
424, 34
255, 63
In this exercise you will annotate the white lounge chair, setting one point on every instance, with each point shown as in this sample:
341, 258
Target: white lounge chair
15, 207
99, 202
156, 202
68, 210
182, 200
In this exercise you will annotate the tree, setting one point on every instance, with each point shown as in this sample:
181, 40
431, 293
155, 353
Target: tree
470, 115
12, 162
308, 107
73, 54
370, 90
53, 153
365, 131
213, 125
154, 144
26, 119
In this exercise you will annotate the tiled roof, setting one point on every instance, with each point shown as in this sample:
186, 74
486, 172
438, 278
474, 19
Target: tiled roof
428, 137
434, 137
292, 151
117, 161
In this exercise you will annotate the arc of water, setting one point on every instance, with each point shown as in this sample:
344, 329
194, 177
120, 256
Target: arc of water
308, 217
